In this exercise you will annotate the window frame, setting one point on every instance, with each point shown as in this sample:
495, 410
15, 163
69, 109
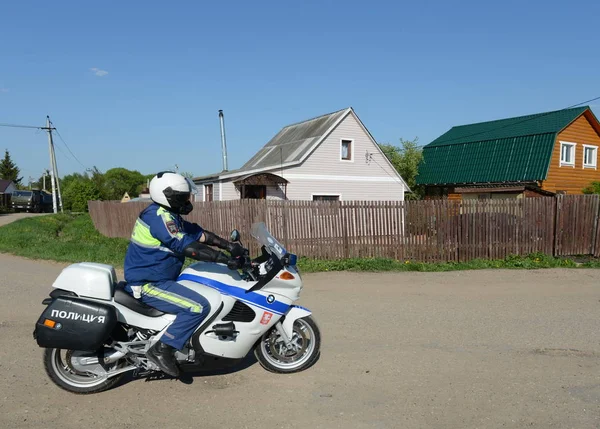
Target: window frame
212, 193
564, 163
595, 164
321, 194
351, 150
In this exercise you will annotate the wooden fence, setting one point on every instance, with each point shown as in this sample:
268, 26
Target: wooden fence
425, 231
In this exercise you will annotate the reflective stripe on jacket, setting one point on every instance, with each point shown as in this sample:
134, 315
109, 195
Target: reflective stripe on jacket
155, 252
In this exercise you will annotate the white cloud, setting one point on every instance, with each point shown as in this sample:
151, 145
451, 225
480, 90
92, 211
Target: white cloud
98, 72
4, 90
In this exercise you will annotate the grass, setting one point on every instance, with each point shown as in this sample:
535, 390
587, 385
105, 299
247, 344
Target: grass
533, 261
73, 238
62, 237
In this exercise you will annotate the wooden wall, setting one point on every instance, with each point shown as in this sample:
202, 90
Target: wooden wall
573, 179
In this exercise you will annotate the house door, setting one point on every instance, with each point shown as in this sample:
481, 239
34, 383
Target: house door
256, 192
208, 192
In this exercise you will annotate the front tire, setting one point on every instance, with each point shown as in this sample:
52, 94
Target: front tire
62, 373
304, 351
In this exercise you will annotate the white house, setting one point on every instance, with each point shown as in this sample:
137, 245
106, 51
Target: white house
331, 157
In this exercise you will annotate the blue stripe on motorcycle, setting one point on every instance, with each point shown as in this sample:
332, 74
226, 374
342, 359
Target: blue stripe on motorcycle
253, 298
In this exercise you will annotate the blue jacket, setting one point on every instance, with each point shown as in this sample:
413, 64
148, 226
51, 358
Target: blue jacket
155, 252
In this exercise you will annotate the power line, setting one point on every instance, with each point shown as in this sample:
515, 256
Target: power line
20, 126
69, 149
400, 181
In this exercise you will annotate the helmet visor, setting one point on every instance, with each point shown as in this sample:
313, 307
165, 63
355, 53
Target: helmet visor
193, 188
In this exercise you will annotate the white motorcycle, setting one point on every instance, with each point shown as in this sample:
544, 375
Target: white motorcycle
94, 332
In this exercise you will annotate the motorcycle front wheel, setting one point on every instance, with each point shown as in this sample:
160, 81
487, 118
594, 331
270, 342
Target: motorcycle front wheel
303, 351
61, 366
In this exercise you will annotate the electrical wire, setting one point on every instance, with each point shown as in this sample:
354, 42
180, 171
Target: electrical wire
68, 148
396, 179
20, 126
533, 117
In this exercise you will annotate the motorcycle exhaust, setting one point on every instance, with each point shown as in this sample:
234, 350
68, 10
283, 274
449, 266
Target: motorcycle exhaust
109, 357
113, 357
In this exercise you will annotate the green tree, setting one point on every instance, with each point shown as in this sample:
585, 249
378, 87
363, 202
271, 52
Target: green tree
78, 192
117, 181
9, 170
39, 184
406, 159
70, 178
592, 188
187, 174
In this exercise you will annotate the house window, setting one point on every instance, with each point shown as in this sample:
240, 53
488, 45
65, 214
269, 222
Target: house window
590, 156
208, 192
326, 197
567, 154
347, 150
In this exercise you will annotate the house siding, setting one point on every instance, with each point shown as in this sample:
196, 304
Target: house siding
10, 189
326, 157
229, 191
323, 172
381, 181
573, 179
348, 191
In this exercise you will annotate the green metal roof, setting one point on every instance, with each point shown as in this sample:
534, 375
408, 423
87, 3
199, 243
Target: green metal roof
508, 150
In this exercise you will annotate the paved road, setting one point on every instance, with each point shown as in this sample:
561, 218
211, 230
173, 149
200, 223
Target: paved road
11, 217
485, 349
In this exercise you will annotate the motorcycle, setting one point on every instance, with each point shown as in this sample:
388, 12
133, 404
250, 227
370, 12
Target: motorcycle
94, 332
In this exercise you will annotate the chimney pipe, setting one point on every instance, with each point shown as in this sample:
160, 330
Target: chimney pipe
223, 141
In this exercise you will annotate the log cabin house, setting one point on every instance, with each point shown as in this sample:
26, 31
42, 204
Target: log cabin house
527, 156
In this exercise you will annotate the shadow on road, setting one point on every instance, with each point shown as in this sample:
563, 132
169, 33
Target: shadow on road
212, 366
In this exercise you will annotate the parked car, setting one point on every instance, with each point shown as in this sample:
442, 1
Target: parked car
31, 201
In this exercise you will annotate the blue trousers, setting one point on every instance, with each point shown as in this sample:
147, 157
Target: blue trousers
190, 307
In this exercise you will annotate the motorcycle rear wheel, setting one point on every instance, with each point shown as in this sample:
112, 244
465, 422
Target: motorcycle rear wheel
305, 350
62, 373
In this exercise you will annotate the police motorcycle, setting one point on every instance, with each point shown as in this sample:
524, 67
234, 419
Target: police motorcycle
94, 332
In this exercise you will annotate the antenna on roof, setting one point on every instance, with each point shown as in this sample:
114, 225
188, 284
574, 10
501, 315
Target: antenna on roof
223, 141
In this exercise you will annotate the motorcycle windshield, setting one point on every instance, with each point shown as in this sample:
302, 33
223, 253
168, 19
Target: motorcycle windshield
261, 234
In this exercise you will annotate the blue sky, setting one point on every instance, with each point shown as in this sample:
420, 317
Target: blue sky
139, 84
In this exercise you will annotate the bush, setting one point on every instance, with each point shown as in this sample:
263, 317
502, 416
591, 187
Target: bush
78, 193
592, 188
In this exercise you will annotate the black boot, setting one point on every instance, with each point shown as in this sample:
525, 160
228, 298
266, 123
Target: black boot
163, 356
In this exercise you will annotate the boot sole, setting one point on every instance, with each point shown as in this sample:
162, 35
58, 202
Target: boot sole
160, 367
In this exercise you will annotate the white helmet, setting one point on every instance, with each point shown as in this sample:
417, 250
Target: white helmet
172, 191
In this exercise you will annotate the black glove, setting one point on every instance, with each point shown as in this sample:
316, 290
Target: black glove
236, 249
236, 263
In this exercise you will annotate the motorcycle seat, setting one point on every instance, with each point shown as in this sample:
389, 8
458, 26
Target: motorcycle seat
127, 300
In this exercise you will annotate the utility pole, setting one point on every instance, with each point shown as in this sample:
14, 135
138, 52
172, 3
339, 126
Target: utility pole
54, 175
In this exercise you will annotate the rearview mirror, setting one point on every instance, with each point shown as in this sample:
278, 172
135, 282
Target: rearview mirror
235, 235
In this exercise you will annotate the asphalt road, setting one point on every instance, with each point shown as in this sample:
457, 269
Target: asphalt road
480, 349
5, 219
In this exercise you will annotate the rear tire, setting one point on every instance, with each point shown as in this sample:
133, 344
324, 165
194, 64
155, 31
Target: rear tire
274, 357
65, 378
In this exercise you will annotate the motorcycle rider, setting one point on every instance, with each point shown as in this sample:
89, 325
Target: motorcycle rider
159, 244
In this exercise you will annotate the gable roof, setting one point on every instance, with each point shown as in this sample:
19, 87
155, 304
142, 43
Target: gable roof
294, 141
4, 184
290, 146
507, 150
293, 144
